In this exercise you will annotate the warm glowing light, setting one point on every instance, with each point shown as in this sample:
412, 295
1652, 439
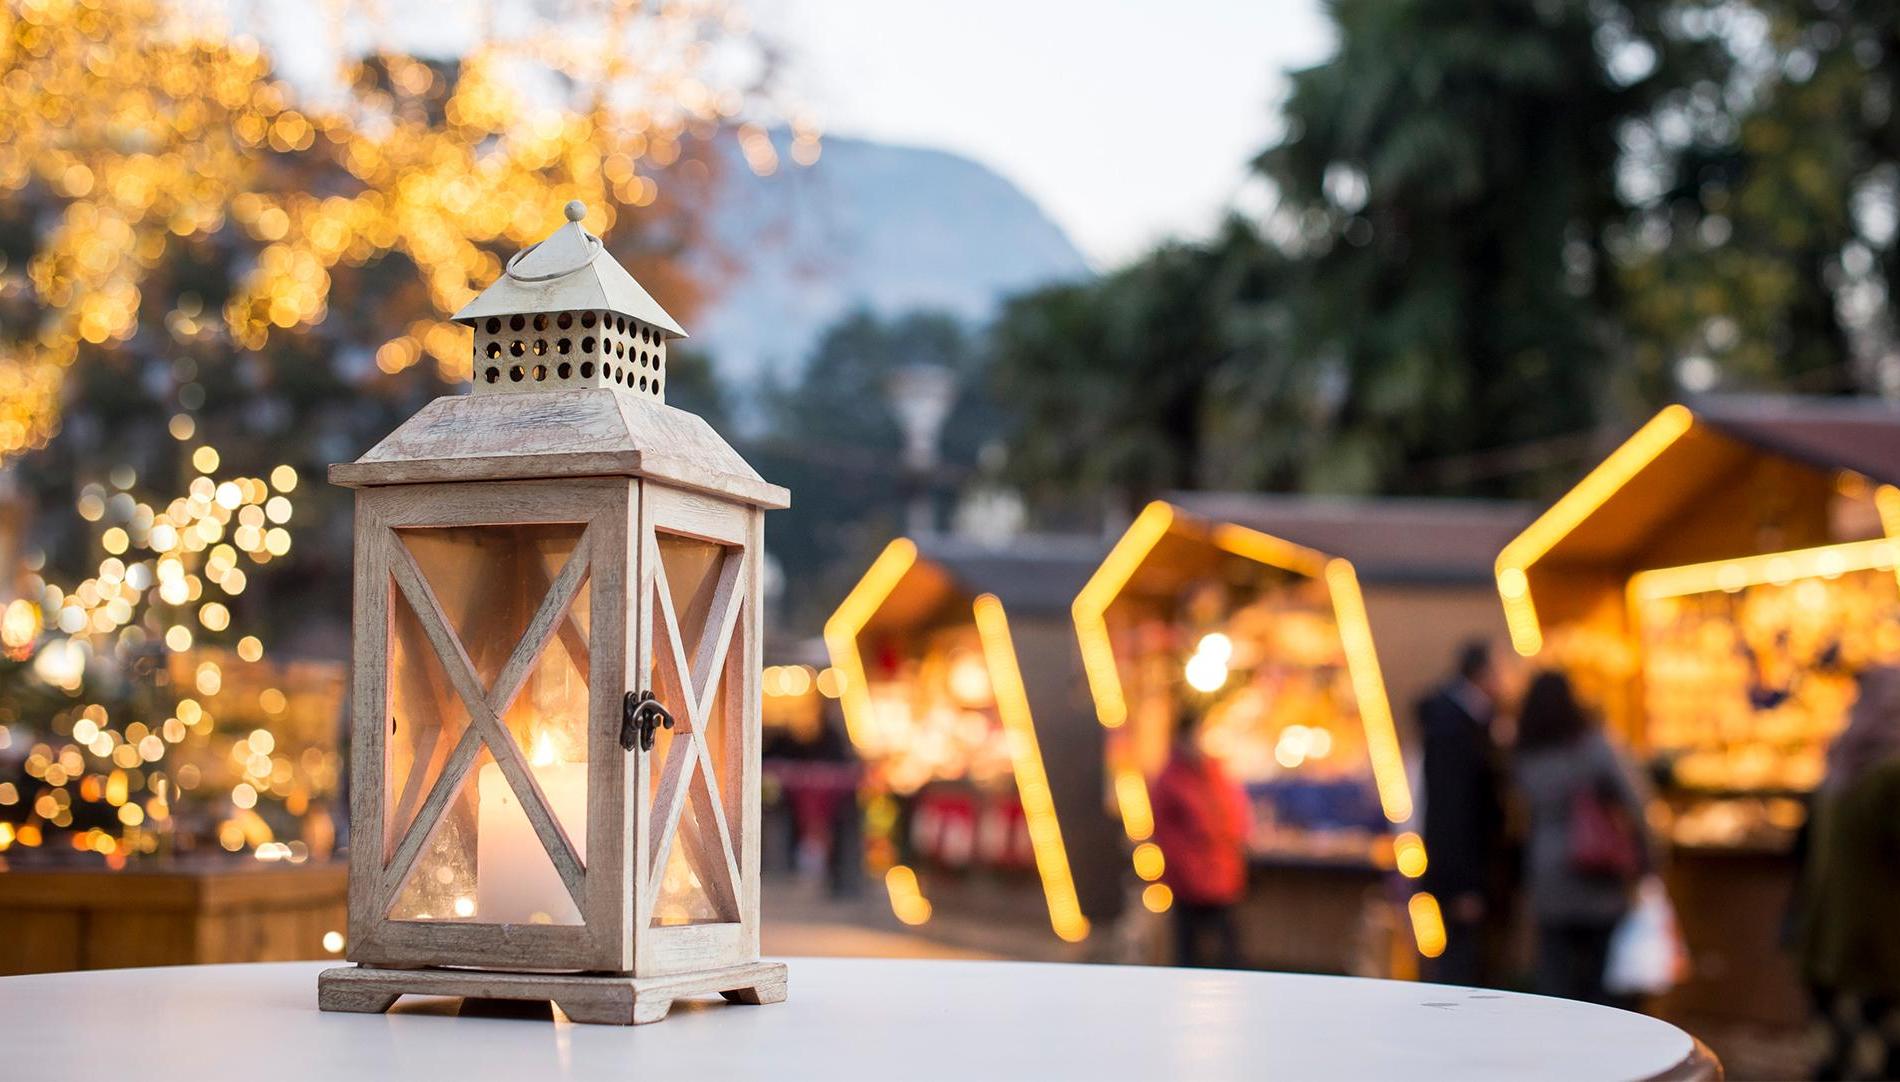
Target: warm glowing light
907, 900
1777, 568
1090, 610
841, 633
1266, 549
1032, 782
1408, 853
20, 625
333, 942
1131, 797
1148, 861
1157, 897
1205, 673
283, 479
1217, 646
1428, 924
205, 459
830, 682
1368, 685
543, 753
1569, 512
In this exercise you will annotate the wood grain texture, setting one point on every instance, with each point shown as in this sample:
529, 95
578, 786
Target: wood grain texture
747, 737
582, 997
98, 919
597, 563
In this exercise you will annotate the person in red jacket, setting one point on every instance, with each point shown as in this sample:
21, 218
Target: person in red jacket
1201, 821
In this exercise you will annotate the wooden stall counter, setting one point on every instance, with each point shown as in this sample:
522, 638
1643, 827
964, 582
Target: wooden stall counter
78, 918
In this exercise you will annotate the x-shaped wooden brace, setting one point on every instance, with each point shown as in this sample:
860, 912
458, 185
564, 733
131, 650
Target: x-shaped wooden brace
485, 711
687, 760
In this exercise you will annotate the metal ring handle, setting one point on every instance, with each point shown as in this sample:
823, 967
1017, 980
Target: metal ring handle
593, 249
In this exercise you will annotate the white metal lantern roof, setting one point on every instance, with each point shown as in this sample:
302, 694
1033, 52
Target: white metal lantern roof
570, 271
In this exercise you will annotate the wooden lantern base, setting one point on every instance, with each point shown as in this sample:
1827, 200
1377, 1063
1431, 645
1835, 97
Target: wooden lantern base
583, 997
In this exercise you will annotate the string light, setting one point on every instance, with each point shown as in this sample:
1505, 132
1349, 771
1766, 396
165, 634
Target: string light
842, 630
153, 128
1032, 781
1597, 487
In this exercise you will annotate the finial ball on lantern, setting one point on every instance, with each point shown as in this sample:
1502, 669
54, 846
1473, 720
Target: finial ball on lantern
575, 210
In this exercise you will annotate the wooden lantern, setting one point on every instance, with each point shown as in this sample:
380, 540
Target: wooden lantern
555, 706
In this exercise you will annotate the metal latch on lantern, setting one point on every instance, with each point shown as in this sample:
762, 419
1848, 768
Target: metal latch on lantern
641, 714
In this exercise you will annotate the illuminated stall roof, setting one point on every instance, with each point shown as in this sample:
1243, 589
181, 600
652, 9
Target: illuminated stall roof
1389, 541
916, 584
1704, 458
1171, 543
1168, 546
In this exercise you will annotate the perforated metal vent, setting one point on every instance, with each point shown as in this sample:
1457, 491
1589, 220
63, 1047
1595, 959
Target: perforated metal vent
553, 350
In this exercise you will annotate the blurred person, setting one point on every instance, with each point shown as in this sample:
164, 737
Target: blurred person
1464, 812
1846, 935
1588, 845
1201, 820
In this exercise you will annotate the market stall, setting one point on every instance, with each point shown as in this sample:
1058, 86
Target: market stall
1712, 587
1424, 566
1206, 605
983, 773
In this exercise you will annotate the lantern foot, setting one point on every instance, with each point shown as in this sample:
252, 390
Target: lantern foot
583, 997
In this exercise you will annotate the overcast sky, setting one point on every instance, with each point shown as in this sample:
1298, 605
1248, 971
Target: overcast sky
1127, 120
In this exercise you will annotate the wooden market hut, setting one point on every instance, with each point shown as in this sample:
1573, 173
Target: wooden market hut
1711, 586
1272, 586
1424, 565
960, 691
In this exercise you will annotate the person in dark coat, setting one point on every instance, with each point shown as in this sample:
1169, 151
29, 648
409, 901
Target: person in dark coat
1464, 811
1848, 940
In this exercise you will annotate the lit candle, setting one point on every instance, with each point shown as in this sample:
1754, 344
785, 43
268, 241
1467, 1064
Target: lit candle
515, 879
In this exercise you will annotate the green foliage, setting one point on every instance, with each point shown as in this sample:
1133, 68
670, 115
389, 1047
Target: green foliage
1498, 225
833, 438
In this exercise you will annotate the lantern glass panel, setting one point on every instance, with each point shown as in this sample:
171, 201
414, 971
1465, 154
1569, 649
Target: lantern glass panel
519, 617
690, 776
426, 720
692, 579
484, 865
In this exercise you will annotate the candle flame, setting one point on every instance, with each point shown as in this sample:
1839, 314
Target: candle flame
543, 752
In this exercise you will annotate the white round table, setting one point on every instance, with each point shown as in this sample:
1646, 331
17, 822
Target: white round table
846, 1019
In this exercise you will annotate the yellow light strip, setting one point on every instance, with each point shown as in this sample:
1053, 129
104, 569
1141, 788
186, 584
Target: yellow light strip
1091, 608
1267, 549
1775, 568
907, 898
841, 633
1368, 686
1032, 783
1428, 924
1570, 511
1131, 796
1408, 855
1887, 504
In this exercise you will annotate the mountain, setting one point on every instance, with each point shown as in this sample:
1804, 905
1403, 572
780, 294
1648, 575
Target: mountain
868, 225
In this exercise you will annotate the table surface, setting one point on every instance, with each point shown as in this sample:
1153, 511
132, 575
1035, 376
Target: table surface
880, 1019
